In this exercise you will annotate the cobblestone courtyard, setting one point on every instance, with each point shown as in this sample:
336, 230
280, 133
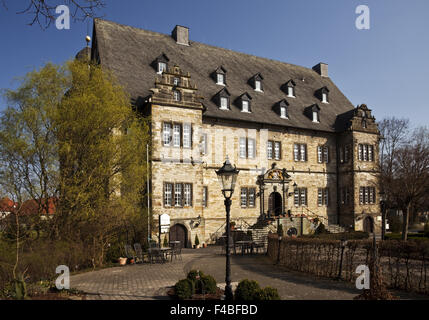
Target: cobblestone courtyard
147, 282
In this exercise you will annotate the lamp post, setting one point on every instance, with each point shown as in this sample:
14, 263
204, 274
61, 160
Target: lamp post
383, 214
227, 176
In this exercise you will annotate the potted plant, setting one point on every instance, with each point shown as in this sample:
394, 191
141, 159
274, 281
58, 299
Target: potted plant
204, 245
122, 261
197, 242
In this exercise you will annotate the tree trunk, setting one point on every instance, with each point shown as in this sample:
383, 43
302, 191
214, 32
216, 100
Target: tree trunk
405, 215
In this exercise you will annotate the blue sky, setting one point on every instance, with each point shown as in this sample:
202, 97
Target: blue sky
386, 67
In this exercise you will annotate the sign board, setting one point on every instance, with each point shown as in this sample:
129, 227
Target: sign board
164, 229
378, 218
164, 219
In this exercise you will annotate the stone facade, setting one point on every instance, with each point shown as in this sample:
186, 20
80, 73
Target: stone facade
214, 139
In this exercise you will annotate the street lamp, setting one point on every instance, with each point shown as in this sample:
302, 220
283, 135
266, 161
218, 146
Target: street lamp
382, 195
227, 176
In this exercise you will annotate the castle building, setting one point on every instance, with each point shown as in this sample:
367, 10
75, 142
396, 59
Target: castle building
303, 150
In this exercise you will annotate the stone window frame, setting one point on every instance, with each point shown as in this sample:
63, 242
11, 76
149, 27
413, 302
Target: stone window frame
298, 152
365, 152
182, 203
247, 141
181, 125
300, 198
323, 153
248, 190
323, 197
367, 195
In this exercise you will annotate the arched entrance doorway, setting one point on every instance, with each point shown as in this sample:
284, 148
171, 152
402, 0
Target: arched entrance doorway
178, 232
368, 224
275, 203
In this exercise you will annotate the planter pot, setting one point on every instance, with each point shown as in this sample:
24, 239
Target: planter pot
204, 245
122, 261
196, 246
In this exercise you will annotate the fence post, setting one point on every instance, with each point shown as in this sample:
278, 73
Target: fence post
343, 246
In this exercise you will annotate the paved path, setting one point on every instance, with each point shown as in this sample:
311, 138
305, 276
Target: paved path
145, 281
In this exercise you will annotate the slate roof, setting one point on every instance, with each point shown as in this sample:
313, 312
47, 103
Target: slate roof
129, 52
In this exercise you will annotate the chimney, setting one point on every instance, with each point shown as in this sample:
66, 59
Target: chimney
181, 35
322, 69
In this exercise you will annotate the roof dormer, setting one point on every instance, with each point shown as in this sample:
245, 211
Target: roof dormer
244, 103
160, 64
289, 88
256, 82
313, 113
219, 76
222, 99
282, 109
323, 94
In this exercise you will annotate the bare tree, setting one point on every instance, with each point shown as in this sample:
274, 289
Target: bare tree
43, 11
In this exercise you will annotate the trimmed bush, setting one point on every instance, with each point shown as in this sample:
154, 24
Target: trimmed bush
208, 283
197, 241
192, 275
184, 289
165, 244
247, 290
268, 293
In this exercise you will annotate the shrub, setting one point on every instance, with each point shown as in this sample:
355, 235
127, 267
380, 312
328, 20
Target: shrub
192, 275
165, 244
321, 229
208, 283
247, 290
268, 293
197, 241
184, 289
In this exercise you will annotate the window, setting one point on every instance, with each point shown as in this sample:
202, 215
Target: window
203, 145
162, 67
178, 194
176, 135
247, 148
247, 197
300, 152
323, 197
270, 149
177, 96
315, 116
322, 154
220, 79
176, 81
245, 106
324, 97
277, 148
367, 195
366, 152
187, 134
290, 91
300, 197
187, 195
244, 197
168, 193
166, 134
205, 197
344, 195
224, 103
243, 148
258, 86
283, 112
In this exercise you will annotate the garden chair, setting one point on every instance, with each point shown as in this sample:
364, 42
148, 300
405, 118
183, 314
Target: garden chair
139, 252
176, 251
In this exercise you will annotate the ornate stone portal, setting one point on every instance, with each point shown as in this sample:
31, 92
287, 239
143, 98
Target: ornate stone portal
273, 181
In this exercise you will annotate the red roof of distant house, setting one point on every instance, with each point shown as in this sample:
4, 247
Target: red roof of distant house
6, 205
29, 206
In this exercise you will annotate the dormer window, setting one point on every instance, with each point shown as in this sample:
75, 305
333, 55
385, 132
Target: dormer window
222, 99
256, 82
323, 94
283, 112
160, 63
220, 79
324, 97
289, 88
224, 103
281, 108
315, 116
245, 106
243, 101
313, 112
219, 75
162, 67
